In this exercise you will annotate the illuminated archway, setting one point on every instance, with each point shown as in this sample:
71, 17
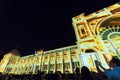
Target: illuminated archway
109, 28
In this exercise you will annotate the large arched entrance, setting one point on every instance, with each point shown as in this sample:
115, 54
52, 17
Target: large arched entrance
110, 28
109, 31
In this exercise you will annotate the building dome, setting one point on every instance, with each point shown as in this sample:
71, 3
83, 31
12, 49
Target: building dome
15, 52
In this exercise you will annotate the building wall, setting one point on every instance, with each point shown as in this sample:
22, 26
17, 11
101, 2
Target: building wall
8, 62
98, 35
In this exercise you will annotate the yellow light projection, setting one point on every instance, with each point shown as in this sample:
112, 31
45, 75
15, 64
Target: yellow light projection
98, 38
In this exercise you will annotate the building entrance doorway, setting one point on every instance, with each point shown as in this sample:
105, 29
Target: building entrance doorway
89, 59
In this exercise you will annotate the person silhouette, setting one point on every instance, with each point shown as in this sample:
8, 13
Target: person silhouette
86, 74
114, 71
77, 73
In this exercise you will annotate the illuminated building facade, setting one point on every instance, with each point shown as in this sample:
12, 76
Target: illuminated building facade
98, 38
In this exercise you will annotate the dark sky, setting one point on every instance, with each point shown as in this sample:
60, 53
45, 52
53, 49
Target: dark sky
31, 25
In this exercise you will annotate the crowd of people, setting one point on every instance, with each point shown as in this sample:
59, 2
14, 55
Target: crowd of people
84, 74
50, 76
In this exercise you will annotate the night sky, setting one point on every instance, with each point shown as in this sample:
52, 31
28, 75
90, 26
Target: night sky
30, 25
